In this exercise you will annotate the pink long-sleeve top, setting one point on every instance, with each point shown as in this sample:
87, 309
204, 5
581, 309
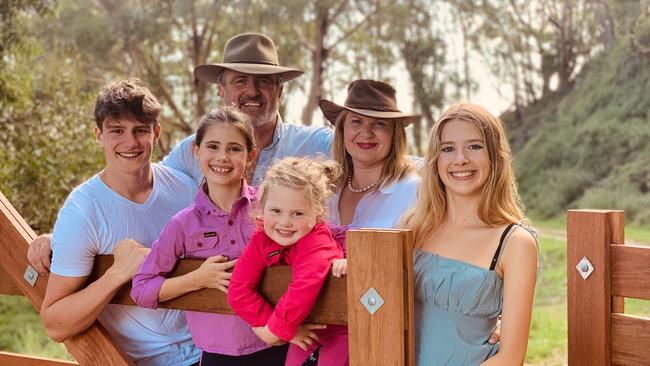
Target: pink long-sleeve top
200, 231
310, 260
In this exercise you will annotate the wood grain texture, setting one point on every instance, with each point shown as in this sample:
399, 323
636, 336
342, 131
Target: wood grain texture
630, 267
92, 347
379, 259
330, 308
7, 285
15, 359
630, 340
617, 225
589, 302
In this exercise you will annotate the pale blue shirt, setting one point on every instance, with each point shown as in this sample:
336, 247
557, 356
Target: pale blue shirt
92, 220
381, 208
288, 140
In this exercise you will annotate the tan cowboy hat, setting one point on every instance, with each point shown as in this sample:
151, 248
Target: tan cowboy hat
248, 53
368, 98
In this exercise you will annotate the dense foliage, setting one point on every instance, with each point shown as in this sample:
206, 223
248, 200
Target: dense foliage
587, 148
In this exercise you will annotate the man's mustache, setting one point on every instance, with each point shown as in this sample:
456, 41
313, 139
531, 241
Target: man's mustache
254, 99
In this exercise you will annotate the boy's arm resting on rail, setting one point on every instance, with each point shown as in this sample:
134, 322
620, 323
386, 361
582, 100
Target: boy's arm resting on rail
519, 265
69, 309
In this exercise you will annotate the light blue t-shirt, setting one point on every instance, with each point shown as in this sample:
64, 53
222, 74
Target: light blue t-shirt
92, 220
381, 208
288, 140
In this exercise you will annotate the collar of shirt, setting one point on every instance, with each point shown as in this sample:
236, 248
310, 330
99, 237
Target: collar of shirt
278, 133
205, 205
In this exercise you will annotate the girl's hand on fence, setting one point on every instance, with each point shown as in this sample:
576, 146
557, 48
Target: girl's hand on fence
305, 335
339, 267
213, 273
265, 335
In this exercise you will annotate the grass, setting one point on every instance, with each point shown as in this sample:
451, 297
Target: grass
21, 330
547, 343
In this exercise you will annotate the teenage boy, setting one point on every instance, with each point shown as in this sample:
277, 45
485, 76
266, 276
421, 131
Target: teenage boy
130, 198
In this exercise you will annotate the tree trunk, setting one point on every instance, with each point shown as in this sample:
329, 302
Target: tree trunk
319, 56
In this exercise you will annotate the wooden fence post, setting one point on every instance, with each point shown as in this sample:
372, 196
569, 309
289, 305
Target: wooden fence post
589, 302
92, 347
381, 260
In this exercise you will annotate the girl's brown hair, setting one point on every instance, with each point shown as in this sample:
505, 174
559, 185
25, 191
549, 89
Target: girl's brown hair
231, 116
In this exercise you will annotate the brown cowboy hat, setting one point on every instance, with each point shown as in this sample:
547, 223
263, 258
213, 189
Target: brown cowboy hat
248, 53
368, 98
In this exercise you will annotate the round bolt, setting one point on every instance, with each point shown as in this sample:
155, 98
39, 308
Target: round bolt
372, 301
584, 267
30, 275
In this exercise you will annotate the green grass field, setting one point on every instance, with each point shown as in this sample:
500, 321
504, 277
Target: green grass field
21, 330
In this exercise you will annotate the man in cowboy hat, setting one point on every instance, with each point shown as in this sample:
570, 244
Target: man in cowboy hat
251, 78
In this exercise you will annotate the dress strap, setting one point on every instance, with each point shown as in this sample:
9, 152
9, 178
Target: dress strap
495, 259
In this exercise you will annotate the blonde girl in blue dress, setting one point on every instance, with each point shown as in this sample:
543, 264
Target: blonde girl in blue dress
474, 259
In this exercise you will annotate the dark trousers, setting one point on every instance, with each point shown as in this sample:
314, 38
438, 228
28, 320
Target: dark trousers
273, 356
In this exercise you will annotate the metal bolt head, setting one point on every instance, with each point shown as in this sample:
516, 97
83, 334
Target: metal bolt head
372, 301
585, 268
30, 275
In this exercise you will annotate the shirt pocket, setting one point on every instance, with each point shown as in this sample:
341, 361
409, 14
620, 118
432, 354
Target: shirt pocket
202, 245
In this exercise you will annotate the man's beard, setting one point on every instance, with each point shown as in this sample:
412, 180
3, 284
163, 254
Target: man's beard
264, 114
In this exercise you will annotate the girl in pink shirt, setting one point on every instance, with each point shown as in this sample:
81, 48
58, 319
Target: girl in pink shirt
292, 199
215, 228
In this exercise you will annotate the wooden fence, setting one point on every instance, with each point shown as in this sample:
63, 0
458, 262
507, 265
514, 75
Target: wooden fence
377, 259
600, 333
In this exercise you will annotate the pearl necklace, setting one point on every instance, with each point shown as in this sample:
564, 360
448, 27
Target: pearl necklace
362, 190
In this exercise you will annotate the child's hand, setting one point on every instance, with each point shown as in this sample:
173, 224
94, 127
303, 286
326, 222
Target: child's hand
212, 273
305, 335
339, 267
267, 337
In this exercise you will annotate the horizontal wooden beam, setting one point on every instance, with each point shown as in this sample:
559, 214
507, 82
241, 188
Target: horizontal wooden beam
330, 308
16, 359
630, 340
630, 271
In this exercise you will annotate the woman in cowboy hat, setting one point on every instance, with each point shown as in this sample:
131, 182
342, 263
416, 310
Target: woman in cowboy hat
378, 182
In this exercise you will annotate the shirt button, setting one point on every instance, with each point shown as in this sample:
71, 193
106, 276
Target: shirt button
230, 222
232, 242
199, 244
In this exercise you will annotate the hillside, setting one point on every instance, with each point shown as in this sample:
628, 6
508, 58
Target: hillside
589, 148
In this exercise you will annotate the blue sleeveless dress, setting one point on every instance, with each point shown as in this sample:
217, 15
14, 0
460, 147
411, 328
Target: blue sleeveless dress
456, 309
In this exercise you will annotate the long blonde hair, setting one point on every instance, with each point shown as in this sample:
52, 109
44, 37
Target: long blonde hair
500, 203
316, 178
397, 164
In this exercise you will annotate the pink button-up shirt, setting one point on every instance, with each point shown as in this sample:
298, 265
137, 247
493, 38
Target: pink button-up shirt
310, 260
200, 231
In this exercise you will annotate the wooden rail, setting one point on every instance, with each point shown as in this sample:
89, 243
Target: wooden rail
94, 346
599, 331
378, 259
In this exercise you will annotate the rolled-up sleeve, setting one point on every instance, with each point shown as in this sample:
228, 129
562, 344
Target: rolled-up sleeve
159, 262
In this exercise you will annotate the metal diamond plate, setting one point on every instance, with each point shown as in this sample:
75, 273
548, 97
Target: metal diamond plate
372, 301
